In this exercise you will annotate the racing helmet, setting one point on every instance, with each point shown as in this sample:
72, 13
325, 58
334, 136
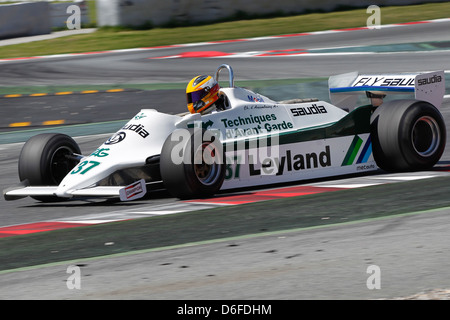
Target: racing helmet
201, 93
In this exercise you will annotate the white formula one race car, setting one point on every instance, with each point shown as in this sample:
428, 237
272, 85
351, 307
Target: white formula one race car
253, 141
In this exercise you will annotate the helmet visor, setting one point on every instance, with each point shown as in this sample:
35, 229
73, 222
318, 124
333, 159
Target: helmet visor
195, 96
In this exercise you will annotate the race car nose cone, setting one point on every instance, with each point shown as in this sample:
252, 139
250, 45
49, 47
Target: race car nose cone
63, 192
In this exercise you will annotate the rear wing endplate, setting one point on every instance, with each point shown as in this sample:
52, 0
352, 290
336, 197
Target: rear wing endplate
345, 88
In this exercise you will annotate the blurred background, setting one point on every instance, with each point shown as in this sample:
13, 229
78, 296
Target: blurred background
32, 17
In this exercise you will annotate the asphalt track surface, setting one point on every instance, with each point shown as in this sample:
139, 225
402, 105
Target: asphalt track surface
324, 263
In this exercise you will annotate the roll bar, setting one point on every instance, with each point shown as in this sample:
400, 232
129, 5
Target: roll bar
230, 73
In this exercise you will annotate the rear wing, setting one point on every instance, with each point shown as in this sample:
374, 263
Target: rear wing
345, 88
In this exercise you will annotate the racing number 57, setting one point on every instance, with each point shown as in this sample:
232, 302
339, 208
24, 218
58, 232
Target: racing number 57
84, 167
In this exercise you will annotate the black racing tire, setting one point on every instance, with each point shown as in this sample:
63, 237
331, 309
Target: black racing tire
407, 135
184, 171
44, 161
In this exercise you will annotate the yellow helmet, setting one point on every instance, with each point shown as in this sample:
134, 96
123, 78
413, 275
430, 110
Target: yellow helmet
202, 92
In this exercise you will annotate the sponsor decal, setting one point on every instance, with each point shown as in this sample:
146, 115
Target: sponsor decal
278, 126
365, 167
353, 150
430, 80
205, 125
255, 99
257, 106
262, 124
133, 191
305, 111
100, 153
140, 116
238, 132
242, 121
138, 128
384, 82
116, 138
291, 162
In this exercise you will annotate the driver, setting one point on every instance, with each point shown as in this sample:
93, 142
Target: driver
202, 94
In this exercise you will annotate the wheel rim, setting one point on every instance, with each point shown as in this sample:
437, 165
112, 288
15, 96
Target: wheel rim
426, 136
206, 172
60, 165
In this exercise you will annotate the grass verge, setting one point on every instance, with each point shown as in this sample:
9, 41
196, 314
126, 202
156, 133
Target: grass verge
111, 38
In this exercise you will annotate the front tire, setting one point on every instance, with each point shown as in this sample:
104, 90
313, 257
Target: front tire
193, 166
45, 160
407, 135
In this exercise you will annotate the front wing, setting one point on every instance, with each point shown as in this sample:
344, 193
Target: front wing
125, 193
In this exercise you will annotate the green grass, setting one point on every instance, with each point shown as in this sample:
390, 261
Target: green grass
121, 38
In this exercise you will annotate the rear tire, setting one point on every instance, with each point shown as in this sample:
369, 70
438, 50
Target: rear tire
186, 169
44, 160
407, 135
